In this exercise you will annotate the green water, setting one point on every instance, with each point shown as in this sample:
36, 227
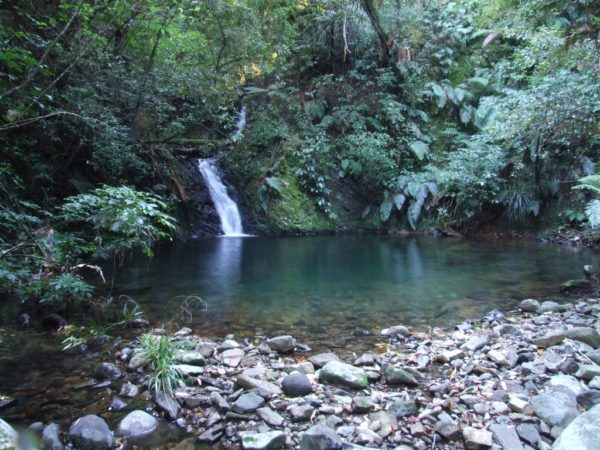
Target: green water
331, 291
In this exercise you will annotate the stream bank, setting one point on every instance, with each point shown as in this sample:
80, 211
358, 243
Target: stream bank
527, 380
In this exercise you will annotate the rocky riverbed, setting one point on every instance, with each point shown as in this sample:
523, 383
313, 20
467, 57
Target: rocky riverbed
528, 380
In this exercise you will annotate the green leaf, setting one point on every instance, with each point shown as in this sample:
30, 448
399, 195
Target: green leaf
385, 209
399, 201
420, 149
275, 183
440, 94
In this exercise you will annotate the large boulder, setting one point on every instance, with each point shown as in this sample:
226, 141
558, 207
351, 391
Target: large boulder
91, 433
8, 436
137, 425
336, 372
556, 408
582, 433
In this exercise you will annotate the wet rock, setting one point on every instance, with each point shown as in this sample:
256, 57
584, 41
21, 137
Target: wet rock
336, 372
403, 408
556, 408
582, 433
271, 440
300, 413
322, 358
320, 437
586, 335
270, 417
137, 360
554, 337
529, 305
399, 376
117, 404
296, 384
212, 435
248, 403
282, 344
232, 357
91, 433
475, 343
129, 390
500, 358
247, 382
366, 359
137, 425
594, 356
51, 438
167, 405
187, 370
506, 437
107, 370
451, 355
8, 436
476, 439
528, 433
396, 331
194, 358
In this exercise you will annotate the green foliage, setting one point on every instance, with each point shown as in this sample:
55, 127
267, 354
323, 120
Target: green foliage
67, 287
160, 351
125, 218
591, 183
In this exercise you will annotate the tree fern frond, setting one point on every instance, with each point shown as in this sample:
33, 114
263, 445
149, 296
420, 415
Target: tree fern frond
591, 183
592, 211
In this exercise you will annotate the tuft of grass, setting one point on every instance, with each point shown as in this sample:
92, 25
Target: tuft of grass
159, 351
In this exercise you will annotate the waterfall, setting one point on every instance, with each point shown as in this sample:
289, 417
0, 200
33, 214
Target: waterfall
240, 125
231, 222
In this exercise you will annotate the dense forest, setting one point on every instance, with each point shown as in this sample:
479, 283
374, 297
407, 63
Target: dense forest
359, 115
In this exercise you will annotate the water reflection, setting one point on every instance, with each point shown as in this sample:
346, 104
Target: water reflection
340, 283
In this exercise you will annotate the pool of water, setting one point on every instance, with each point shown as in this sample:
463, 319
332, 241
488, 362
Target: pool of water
333, 291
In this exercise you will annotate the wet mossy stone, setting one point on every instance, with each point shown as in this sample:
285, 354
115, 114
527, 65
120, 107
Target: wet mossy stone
8, 436
336, 372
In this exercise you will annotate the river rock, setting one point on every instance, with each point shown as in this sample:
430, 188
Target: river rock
271, 440
588, 371
403, 408
137, 425
300, 413
550, 306
554, 337
556, 408
476, 439
192, 357
448, 429
569, 383
529, 305
138, 360
320, 437
336, 372
588, 399
475, 343
129, 390
247, 382
51, 438
387, 423
91, 433
362, 405
395, 331
594, 355
506, 437
228, 344
8, 436
528, 433
167, 405
232, 357
270, 417
586, 335
397, 375
248, 403
366, 359
282, 344
188, 370
321, 359
583, 433
107, 370
296, 384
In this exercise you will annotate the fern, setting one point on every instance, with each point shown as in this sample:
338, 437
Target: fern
414, 210
591, 183
592, 211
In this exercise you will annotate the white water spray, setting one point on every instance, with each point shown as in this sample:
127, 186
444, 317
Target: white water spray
240, 125
231, 221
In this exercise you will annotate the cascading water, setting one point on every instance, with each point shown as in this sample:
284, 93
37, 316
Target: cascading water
231, 221
240, 125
